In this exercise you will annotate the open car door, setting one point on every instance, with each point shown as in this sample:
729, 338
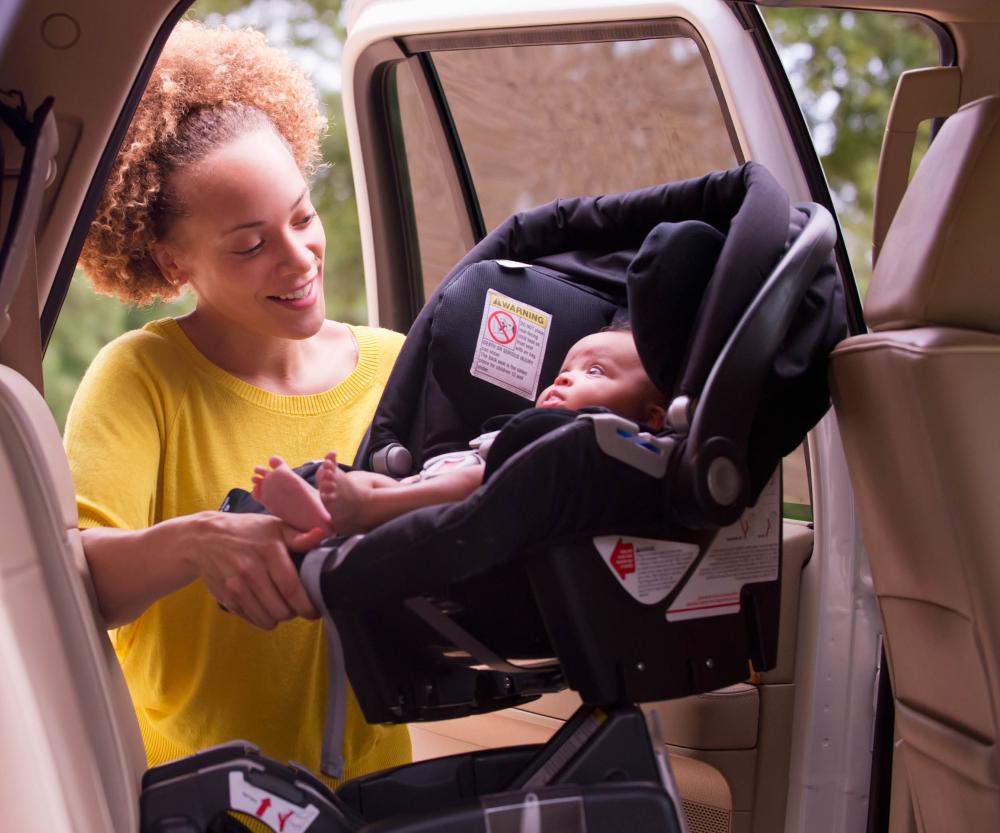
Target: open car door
461, 116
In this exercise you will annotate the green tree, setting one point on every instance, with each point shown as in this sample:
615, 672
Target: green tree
844, 67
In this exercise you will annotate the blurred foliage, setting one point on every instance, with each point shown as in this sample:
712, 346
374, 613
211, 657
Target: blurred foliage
843, 66
87, 322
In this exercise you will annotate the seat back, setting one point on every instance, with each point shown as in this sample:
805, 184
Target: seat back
918, 404
71, 755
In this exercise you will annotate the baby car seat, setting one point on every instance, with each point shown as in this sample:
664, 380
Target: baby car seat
591, 557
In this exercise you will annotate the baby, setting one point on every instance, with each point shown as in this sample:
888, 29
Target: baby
602, 369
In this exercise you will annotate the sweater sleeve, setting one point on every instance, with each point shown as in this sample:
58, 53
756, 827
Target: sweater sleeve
115, 432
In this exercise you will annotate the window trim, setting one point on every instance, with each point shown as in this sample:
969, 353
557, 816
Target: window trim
88, 207
557, 35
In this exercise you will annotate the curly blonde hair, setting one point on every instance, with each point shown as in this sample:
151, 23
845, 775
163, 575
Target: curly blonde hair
209, 87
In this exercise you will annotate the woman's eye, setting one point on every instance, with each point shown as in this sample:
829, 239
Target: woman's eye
305, 221
252, 250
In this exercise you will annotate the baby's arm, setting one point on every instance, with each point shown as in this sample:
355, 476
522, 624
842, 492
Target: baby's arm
359, 501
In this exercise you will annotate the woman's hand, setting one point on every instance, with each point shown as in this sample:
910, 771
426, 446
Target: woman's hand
243, 560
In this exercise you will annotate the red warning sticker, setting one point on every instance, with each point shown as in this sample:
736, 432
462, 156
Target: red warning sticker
648, 569
280, 815
623, 558
501, 327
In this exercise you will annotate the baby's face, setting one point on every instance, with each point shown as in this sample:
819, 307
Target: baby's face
602, 369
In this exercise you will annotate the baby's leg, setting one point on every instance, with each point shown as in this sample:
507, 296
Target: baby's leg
359, 501
344, 495
288, 496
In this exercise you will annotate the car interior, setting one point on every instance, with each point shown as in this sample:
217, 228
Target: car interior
457, 118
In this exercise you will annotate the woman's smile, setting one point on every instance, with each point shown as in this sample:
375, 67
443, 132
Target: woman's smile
300, 298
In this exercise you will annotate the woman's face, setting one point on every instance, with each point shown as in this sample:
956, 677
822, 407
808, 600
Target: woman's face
250, 243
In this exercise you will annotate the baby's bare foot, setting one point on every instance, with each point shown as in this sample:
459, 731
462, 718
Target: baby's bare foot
343, 499
285, 494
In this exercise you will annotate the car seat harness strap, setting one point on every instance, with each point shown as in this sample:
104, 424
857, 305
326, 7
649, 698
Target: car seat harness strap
332, 752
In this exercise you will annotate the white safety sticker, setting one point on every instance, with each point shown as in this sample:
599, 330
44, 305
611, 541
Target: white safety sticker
648, 569
511, 346
743, 553
277, 813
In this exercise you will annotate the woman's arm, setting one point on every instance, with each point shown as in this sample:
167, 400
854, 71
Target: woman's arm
242, 558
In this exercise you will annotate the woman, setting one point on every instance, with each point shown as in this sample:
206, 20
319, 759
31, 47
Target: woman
209, 192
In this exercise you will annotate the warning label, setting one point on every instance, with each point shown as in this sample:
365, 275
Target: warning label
511, 346
648, 569
277, 813
743, 553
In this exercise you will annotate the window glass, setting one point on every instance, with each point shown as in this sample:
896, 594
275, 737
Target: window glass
843, 66
796, 497
533, 127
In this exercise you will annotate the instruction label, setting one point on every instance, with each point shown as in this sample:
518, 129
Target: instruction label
280, 815
743, 553
511, 346
648, 569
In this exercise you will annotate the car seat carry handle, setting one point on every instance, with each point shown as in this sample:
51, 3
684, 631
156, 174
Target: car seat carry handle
714, 459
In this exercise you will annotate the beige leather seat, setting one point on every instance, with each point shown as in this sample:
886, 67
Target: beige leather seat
70, 753
918, 402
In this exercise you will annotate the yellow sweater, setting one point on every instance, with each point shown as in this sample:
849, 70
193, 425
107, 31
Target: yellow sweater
157, 431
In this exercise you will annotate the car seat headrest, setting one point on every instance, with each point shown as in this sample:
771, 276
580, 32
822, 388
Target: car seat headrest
938, 262
753, 210
461, 326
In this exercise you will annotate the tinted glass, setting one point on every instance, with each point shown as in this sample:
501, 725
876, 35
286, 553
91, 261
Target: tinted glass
538, 122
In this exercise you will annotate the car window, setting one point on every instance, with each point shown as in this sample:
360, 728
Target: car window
531, 127
843, 67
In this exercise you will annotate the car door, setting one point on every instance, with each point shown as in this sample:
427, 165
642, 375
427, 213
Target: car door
460, 117
70, 748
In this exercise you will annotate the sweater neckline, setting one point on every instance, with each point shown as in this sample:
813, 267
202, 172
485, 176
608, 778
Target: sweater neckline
355, 383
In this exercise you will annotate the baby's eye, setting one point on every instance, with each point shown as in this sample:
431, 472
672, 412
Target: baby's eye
595, 370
